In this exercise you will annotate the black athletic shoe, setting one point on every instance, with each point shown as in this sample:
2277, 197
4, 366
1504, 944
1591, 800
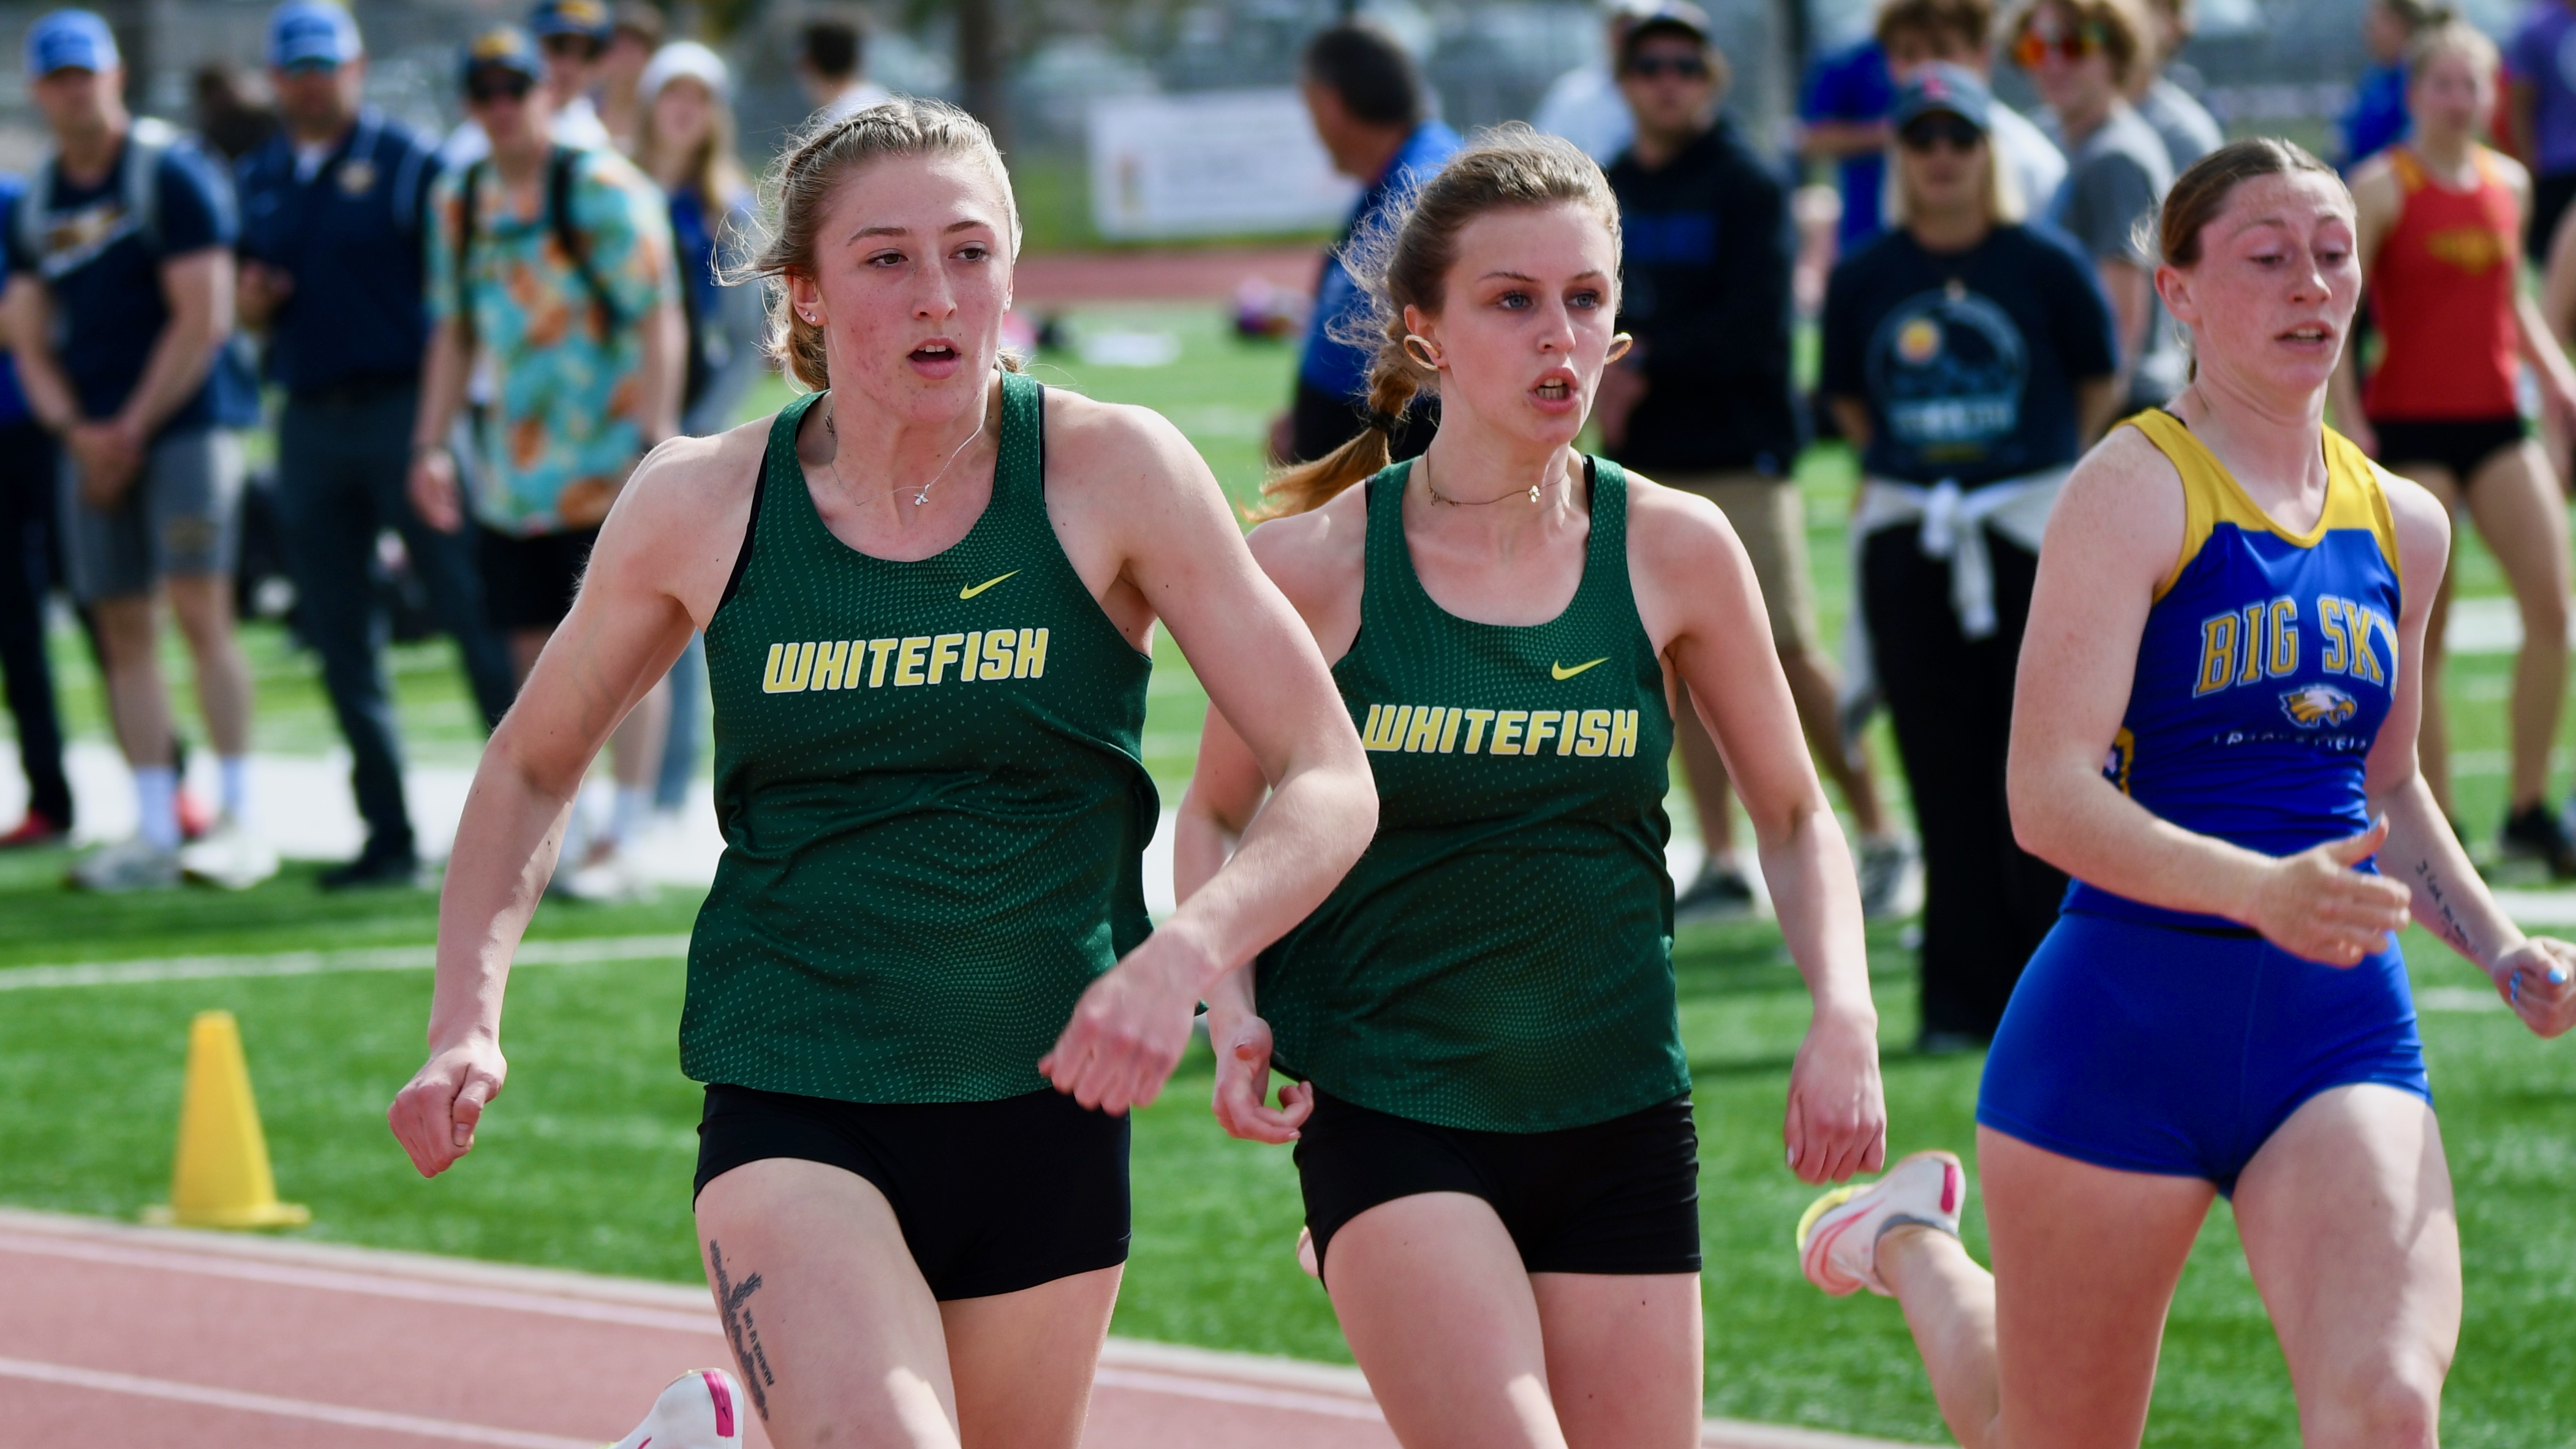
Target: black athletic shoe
1720, 894
2537, 832
373, 870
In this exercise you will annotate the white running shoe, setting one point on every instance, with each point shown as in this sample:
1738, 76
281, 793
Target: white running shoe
701, 1409
1838, 1236
607, 877
229, 857
131, 864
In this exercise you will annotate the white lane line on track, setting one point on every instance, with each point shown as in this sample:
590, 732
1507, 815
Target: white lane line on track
319, 963
1220, 1391
372, 1284
137, 1386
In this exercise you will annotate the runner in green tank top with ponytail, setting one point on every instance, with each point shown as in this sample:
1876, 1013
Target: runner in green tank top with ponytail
1492, 1111
922, 992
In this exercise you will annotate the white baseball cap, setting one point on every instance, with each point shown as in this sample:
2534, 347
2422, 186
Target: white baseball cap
685, 58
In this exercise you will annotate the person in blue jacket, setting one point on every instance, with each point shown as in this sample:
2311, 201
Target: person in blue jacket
26, 565
1372, 112
331, 270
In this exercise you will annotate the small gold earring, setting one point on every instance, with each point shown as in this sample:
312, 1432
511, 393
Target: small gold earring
1423, 355
1619, 346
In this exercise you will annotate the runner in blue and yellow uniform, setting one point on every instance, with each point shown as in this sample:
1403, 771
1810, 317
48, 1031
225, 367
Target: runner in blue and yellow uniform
1492, 1114
922, 994
2214, 735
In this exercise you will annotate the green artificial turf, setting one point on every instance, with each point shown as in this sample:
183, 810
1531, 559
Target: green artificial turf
586, 1161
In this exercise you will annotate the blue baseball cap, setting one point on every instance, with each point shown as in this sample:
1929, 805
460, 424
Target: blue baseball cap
311, 33
1942, 86
70, 40
503, 47
571, 17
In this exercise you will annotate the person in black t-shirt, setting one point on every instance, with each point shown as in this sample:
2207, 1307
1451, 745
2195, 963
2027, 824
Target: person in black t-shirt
1704, 403
1971, 359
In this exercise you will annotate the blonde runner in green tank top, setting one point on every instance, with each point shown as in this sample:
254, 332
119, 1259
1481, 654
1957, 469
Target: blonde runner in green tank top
932, 794
1501, 958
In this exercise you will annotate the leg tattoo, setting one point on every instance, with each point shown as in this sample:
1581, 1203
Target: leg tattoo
733, 1300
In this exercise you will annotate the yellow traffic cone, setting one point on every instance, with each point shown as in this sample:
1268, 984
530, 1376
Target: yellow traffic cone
222, 1178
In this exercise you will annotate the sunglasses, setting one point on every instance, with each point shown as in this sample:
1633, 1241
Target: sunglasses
498, 86
567, 46
2032, 49
1940, 129
1684, 67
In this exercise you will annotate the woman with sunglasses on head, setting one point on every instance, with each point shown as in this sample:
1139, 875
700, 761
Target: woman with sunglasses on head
2439, 235
1970, 358
2080, 55
1493, 1115
2215, 735
922, 992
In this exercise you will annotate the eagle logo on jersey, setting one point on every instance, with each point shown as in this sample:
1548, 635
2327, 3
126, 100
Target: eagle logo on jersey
2314, 706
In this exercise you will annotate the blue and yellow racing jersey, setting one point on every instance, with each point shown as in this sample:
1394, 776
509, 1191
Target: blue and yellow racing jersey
2268, 661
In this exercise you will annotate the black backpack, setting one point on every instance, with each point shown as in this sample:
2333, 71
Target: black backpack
558, 216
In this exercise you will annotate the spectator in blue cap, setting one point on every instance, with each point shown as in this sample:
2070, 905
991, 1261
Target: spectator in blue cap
334, 214
1971, 359
27, 526
559, 49
551, 265
120, 296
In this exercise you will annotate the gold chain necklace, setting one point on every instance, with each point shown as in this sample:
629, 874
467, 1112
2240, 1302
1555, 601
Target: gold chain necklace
1422, 465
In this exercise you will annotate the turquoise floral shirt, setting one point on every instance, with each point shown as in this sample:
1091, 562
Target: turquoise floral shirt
567, 414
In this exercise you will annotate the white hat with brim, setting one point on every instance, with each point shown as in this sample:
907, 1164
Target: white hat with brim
685, 58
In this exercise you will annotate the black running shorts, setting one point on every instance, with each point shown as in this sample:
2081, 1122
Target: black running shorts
529, 583
1620, 1196
993, 1197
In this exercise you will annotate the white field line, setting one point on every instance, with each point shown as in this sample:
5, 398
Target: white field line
139, 1387
320, 963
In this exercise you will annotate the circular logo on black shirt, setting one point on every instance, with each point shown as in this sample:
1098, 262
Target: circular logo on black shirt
1948, 368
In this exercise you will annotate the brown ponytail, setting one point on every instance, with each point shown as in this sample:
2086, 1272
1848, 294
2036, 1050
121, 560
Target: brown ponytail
800, 188
1403, 259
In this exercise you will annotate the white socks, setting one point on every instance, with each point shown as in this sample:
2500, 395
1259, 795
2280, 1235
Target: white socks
234, 774
625, 817
156, 803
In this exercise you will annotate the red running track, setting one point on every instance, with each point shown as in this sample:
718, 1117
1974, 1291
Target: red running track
116, 1337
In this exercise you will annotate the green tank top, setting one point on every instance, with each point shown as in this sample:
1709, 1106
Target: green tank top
933, 799
1501, 958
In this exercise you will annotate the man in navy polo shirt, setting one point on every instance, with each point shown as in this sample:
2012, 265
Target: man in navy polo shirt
333, 216
27, 487
119, 298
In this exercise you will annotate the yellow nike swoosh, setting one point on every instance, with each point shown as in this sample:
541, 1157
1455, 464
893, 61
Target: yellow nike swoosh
979, 588
1561, 672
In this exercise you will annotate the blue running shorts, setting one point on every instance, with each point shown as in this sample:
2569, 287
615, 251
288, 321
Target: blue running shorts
2148, 1048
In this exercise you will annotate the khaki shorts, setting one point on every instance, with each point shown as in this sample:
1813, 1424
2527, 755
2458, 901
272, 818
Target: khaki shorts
1767, 515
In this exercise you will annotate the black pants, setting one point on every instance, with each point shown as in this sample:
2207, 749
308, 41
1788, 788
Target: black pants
2550, 194
27, 486
341, 465
1322, 422
1987, 902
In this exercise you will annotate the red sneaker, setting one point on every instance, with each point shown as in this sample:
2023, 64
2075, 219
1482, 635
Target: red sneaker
37, 829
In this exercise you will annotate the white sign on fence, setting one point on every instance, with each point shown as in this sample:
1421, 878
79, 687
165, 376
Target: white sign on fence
1210, 163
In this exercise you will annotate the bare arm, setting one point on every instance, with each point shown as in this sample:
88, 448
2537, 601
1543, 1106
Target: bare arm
1697, 596
2097, 407
198, 288
2116, 532
653, 577
1836, 140
443, 371
666, 369
2130, 288
2520, 103
2445, 893
1185, 558
1317, 561
27, 313
2376, 203
2558, 285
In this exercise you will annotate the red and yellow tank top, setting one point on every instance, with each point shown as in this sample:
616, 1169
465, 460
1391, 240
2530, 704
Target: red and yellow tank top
2442, 290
